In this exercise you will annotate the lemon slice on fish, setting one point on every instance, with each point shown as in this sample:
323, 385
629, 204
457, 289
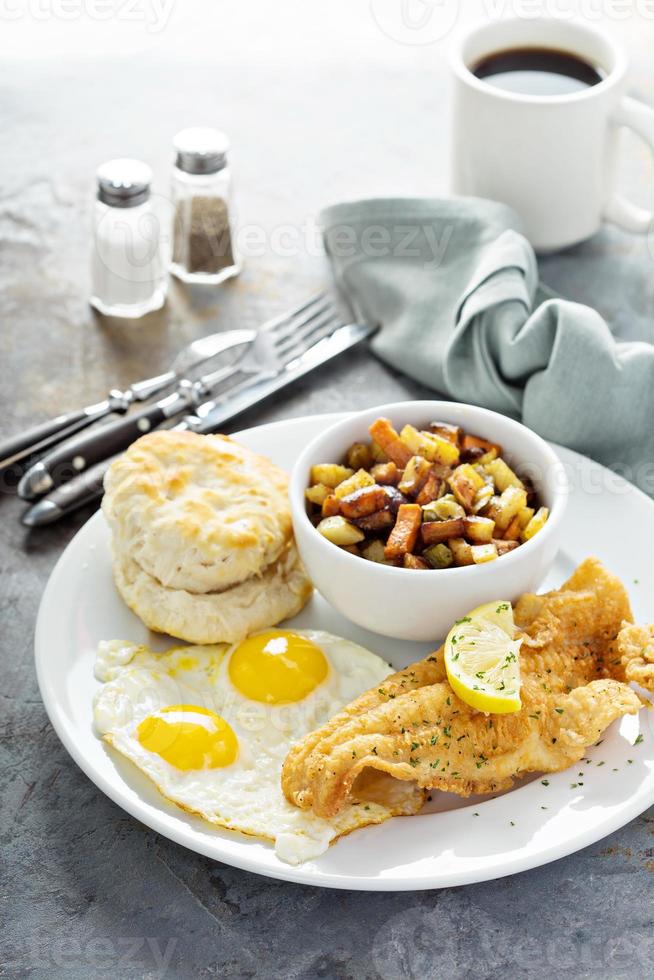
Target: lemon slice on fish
482, 659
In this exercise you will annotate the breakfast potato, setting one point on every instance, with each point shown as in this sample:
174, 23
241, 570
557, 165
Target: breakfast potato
355, 482
503, 476
483, 552
363, 502
536, 523
385, 473
415, 475
433, 447
390, 443
432, 488
503, 546
330, 506
468, 442
513, 531
339, 531
454, 433
478, 529
434, 531
375, 551
404, 535
318, 493
414, 561
503, 509
424, 498
330, 474
461, 551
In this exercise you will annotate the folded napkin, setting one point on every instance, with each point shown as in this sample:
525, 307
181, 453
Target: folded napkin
454, 286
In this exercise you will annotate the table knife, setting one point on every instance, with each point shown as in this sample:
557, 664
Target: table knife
210, 416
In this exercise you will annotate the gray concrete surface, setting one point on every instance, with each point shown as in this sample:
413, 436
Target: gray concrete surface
86, 890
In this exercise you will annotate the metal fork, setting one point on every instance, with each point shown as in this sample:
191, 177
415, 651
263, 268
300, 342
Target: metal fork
272, 347
279, 339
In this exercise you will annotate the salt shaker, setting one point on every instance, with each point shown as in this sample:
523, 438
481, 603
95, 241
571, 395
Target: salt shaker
128, 274
204, 250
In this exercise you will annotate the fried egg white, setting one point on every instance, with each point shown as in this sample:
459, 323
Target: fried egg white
212, 725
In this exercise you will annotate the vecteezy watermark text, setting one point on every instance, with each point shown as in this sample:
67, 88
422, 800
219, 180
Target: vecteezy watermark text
155, 14
103, 953
422, 22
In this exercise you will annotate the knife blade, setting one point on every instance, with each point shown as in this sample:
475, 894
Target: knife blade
212, 415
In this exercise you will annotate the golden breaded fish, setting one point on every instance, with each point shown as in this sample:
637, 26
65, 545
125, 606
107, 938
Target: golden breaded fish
578, 652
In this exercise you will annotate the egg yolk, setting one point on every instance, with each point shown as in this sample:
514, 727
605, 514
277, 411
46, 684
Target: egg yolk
189, 737
276, 667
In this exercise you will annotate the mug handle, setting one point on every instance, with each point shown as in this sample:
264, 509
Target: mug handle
621, 211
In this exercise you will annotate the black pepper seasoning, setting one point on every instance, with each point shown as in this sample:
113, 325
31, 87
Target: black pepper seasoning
203, 239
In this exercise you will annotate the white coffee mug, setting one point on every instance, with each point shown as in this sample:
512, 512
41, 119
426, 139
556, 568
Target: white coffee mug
552, 158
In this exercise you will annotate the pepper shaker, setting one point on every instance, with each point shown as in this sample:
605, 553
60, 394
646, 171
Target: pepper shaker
128, 275
204, 250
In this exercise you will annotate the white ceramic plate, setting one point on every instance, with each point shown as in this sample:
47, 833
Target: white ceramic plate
456, 841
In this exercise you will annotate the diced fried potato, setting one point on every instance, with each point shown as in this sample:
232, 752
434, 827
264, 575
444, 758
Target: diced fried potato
465, 483
525, 515
432, 447
375, 551
413, 561
479, 529
385, 473
339, 531
503, 547
434, 531
536, 524
431, 489
503, 509
513, 530
447, 508
461, 551
415, 474
452, 433
378, 454
483, 552
355, 482
359, 456
363, 502
482, 498
317, 493
389, 441
503, 475
331, 506
404, 535
381, 520
438, 556
330, 474
471, 441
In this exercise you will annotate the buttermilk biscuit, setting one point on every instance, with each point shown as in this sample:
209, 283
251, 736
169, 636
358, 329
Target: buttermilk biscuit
281, 591
198, 513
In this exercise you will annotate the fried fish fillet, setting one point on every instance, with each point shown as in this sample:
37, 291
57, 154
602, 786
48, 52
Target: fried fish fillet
579, 651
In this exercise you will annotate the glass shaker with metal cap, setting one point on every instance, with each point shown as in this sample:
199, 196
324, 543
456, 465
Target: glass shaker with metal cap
204, 250
128, 275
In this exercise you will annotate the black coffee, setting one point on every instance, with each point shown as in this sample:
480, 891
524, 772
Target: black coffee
537, 71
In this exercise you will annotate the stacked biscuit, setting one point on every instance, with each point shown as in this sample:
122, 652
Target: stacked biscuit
201, 537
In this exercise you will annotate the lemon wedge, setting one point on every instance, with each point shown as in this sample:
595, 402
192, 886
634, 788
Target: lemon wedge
482, 659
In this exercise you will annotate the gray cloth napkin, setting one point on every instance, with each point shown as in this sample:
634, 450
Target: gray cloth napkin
454, 286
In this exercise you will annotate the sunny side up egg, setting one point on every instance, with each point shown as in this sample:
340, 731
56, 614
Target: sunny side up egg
212, 725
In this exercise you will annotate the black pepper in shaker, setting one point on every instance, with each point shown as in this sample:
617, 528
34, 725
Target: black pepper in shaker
203, 240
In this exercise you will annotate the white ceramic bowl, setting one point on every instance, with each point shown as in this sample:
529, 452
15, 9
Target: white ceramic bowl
422, 605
